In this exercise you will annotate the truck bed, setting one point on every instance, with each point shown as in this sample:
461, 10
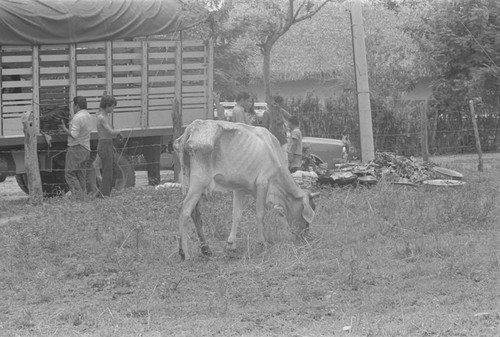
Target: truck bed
144, 75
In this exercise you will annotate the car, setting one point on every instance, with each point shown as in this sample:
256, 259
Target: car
325, 150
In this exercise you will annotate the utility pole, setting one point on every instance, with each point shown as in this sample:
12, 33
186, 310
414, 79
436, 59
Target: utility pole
362, 88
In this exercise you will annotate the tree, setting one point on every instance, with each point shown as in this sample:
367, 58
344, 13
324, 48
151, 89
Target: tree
230, 56
461, 41
268, 20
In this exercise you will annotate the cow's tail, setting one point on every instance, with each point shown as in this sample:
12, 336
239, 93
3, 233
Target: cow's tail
179, 146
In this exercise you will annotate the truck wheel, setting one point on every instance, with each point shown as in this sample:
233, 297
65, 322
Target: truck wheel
123, 172
22, 181
53, 184
2, 177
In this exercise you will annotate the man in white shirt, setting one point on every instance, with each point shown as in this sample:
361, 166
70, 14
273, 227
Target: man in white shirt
78, 153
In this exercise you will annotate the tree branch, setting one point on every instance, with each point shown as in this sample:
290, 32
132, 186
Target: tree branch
311, 14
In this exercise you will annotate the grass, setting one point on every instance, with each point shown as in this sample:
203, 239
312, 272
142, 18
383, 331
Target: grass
383, 261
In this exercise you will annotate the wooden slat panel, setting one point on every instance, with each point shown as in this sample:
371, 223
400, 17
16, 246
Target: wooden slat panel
193, 43
24, 102
160, 118
91, 69
54, 58
90, 93
193, 54
128, 119
54, 47
17, 58
194, 88
13, 126
127, 56
93, 81
158, 102
194, 100
161, 90
128, 91
90, 45
192, 66
126, 68
91, 57
163, 55
161, 67
194, 77
17, 108
54, 70
126, 80
16, 71
161, 79
54, 83
157, 43
192, 114
16, 96
17, 84
16, 48
126, 44
128, 103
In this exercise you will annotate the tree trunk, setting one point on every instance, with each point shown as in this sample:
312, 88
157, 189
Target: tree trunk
177, 131
266, 70
31, 159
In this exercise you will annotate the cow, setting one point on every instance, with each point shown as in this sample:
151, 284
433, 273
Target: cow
217, 155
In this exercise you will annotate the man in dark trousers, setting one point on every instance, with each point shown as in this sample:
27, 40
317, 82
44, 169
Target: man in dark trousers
105, 150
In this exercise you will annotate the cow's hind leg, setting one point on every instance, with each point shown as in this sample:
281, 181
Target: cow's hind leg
196, 215
238, 204
260, 207
188, 207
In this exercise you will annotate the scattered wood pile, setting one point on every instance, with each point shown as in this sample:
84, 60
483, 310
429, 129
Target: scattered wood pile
387, 166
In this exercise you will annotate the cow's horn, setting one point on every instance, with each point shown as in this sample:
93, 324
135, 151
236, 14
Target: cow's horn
314, 195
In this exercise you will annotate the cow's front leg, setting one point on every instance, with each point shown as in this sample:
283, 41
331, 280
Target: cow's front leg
238, 204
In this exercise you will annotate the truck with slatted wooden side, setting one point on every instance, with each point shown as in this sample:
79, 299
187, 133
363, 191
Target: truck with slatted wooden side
144, 69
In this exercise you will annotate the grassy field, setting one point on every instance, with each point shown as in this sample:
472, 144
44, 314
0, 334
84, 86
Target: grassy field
384, 261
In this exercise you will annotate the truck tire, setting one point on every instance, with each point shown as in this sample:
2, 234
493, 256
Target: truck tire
2, 177
22, 181
53, 183
123, 172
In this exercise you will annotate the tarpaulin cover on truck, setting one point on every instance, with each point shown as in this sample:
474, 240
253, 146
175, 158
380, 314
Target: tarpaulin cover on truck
35, 22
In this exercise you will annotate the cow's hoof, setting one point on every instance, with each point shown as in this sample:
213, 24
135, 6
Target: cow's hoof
231, 246
205, 250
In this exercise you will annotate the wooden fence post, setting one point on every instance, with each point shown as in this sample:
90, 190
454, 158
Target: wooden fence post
177, 132
476, 134
31, 158
424, 136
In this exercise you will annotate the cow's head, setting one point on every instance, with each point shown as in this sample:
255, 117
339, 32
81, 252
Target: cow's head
301, 214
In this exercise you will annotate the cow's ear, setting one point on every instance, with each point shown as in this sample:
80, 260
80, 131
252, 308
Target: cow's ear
308, 213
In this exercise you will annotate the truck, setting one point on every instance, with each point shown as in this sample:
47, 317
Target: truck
133, 50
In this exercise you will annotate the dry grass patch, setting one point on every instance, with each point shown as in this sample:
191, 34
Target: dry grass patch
384, 261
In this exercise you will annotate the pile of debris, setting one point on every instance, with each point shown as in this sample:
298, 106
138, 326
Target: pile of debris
387, 166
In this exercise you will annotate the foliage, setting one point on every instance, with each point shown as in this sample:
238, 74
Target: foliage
323, 49
268, 20
230, 55
461, 40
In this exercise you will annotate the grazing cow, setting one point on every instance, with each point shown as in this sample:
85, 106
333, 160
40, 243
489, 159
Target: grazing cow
225, 156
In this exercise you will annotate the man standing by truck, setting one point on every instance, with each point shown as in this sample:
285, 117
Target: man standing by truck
78, 153
105, 146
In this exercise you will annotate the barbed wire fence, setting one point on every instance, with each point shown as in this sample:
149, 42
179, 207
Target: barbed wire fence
397, 128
